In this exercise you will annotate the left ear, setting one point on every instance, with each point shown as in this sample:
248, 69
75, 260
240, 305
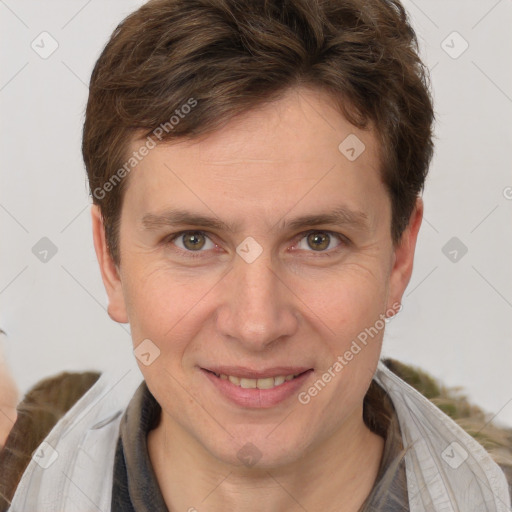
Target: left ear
403, 256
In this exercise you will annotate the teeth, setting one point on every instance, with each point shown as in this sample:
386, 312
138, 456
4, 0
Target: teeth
279, 380
234, 380
266, 383
248, 383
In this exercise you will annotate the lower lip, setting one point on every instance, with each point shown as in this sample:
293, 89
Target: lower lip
257, 398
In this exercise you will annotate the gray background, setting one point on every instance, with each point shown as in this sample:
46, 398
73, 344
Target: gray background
456, 320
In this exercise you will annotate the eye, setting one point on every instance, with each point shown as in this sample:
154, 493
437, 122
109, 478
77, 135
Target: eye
321, 241
191, 241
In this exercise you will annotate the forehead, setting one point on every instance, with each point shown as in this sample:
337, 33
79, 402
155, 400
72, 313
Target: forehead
297, 146
302, 125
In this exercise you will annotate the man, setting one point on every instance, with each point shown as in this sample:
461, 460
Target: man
256, 169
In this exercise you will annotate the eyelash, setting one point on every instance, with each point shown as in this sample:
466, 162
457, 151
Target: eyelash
197, 254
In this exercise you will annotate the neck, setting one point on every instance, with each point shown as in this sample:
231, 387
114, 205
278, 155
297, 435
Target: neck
332, 473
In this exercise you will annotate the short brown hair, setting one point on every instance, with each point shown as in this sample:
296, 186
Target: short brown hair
229, 56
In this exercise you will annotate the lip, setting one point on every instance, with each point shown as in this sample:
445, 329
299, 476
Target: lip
258, 398
249, 373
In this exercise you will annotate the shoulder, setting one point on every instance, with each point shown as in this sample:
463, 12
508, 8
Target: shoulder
497, 440
39, 411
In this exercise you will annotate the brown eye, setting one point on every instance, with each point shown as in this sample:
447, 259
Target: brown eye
318, 241
190, 244
321, 241
193, 240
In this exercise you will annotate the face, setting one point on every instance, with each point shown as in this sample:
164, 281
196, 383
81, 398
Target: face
259, 252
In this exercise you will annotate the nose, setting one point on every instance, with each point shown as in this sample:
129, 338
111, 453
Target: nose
257, 307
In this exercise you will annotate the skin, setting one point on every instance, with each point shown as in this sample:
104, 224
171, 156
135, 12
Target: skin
293, 305
8, 400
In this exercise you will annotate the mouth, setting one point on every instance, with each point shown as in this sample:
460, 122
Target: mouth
257, 389
260, 383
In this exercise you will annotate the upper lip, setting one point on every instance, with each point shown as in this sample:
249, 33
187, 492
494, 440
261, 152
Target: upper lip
250, 373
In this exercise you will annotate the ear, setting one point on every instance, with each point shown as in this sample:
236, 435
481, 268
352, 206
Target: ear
109, 271
403, 256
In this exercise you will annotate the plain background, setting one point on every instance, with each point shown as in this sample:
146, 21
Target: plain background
456, 318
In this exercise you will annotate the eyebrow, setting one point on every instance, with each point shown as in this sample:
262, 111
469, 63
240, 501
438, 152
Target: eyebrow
340, 216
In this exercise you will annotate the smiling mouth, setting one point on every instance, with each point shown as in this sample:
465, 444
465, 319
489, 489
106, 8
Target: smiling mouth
263, 383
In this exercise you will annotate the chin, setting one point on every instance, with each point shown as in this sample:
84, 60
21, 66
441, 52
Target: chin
256, 451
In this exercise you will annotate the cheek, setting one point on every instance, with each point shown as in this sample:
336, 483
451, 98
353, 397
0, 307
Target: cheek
346, 300
352, 320
162, 311
348, 311
159, 301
